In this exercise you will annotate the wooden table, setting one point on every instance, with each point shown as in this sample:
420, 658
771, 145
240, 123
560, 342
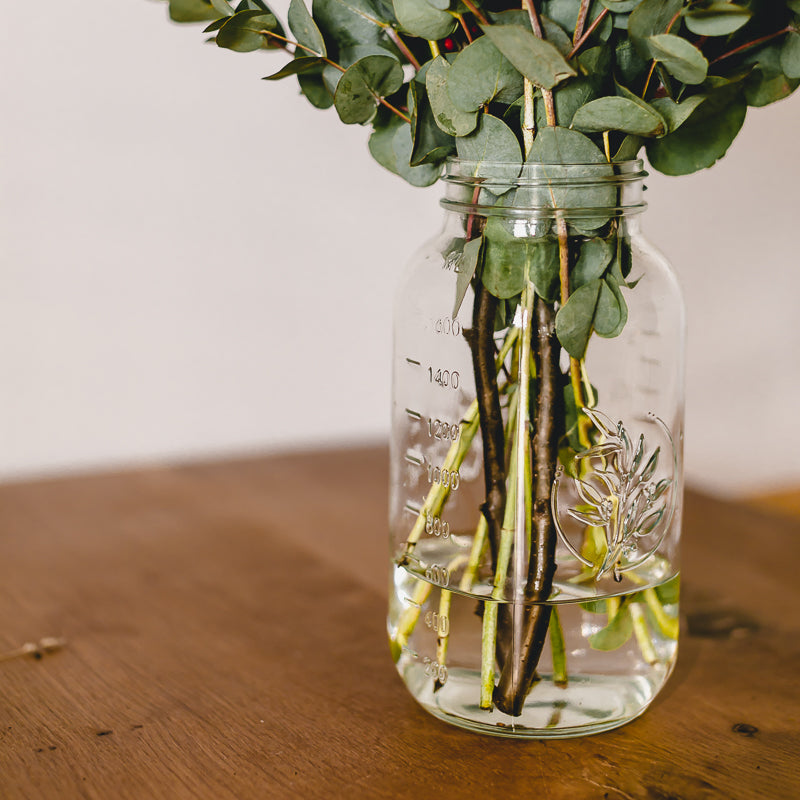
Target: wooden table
225, 638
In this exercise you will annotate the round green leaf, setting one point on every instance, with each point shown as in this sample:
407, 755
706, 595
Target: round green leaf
620, 6
493, 141
360, 87
595, 256
481, 73
424, 174
677, 113
538, 60
620, 307
314, 88
717, 19
679, 57
390, 145
574, 319
349, 24
701, 140
244, 31
305, 29
420, 18
649, 18
615, 634
448, 116
191, 10
431, 144
619, 114
790, 56
607, 313
562, 146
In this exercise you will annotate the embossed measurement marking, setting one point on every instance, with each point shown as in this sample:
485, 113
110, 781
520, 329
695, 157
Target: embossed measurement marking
413, 362
414, 458
415, 415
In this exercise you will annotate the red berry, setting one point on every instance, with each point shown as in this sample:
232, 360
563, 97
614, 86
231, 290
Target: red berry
449, 44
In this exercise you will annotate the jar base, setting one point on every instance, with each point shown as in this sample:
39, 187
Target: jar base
587, 705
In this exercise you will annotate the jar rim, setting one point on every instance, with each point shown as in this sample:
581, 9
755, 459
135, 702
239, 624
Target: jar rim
461, 170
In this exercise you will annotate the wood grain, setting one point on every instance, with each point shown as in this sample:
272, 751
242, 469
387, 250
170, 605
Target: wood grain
226, 639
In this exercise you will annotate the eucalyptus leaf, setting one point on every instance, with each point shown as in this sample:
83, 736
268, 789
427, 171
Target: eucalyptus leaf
362, 84
607, 314
565, 14
448, 116
790, 55
467, 265
402, 144
420, 18
595, 256
631, 66
767, 83
574, 319
628, 149
620, 6
305, 29
349, 24
390, 145
703, 139
301, 64
610, 316
223, 8
315, 89
558, 146
716, 19
512, 254
650, 18
679, 57
669, 592
504, 261
621, 114
567, 99
616, 633
677, 113
244, 31
539, 61
481, 73
431, 144
191, 10
493, 141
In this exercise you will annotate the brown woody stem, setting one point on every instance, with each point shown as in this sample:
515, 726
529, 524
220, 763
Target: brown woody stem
518, 672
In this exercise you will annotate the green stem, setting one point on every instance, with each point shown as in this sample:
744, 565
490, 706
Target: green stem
558, 650
669, 626
642, 633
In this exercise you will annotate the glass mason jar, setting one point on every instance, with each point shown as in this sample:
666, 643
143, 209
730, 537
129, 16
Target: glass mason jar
536, 454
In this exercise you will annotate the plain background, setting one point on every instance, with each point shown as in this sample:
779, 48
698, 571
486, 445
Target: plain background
197, 263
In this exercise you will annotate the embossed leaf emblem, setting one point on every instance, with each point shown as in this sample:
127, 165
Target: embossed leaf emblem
620, 494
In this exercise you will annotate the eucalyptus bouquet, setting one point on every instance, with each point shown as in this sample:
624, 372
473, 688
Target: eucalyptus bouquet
575, 84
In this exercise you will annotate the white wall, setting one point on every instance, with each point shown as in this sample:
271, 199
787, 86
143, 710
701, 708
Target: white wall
195, 262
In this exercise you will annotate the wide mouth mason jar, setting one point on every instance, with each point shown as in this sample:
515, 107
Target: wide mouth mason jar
536, 454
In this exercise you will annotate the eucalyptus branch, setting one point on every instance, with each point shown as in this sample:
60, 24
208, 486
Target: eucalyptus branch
476, 12
755, 43
382, 100
580, 23
403, 48
533, 14
588, 32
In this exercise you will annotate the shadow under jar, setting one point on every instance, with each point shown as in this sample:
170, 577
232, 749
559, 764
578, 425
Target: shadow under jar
536, 449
